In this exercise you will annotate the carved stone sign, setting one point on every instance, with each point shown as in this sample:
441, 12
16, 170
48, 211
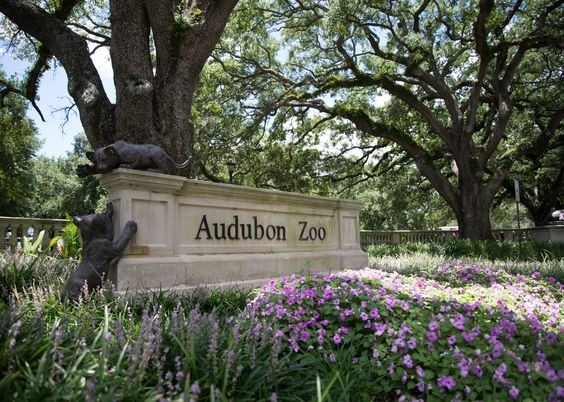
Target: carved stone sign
193, 232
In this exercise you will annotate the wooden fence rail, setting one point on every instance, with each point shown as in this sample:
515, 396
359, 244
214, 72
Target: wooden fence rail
13, 230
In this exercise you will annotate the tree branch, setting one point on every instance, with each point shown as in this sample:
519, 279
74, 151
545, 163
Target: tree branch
85, 85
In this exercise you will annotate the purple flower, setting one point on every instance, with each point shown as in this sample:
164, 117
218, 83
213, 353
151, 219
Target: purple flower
464, 368
432, 336
500, 372
458, 321
433, 325
195, 389
379, 328
390, 302
363, 316
551, 338
374, 313
332, 358
407, 361
420, 372
446, 381
421, 386
294, 344
337, 339
513, 392
451, 340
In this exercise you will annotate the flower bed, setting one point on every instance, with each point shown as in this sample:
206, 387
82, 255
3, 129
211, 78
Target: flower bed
460, 332
439, 331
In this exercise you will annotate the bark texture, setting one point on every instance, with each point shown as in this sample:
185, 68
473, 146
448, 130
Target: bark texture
154, 94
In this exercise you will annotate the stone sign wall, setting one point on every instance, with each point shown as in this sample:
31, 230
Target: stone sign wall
194, 233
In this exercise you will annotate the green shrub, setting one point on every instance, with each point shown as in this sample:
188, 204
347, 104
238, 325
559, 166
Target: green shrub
68, 243
20, 272
463, 248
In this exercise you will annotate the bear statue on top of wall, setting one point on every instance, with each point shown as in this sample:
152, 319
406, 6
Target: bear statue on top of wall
131, 156
98, 251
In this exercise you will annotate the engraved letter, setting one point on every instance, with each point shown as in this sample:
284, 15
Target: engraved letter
234, 227
302, 236
258, 229
204, 226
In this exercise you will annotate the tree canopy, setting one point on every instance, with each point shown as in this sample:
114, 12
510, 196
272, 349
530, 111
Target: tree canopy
18, 144
321, 96
458, 73
157, 48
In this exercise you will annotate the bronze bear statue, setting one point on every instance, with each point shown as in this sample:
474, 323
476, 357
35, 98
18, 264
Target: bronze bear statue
98, 251
131, 156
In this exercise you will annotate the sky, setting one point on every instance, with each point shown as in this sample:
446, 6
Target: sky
57, 138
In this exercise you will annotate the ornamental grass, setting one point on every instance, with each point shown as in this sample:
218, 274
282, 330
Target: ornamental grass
449, 330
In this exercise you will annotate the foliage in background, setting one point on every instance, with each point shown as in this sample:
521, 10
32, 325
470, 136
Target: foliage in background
401, 199
68, 243
18, 144
58, 190
389, 83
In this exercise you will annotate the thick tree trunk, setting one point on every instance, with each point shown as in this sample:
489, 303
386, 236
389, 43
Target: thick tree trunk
153, 100
474, 199
84, 83
474, 218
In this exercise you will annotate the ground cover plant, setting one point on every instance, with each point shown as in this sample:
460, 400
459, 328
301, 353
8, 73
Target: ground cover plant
440, 330
492, 250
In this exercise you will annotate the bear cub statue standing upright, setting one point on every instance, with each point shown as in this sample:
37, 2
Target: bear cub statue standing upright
98, 251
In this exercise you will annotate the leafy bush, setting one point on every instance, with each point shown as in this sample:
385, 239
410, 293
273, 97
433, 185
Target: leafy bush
462, 248
20, 272
68, 243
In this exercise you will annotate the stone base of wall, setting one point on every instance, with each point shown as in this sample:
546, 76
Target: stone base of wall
219, 270
548, 234
193, 233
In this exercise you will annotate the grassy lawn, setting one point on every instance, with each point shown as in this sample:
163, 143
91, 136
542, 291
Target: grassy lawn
418, 325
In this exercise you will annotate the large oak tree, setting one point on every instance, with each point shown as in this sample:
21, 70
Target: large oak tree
456, 69
158, 49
